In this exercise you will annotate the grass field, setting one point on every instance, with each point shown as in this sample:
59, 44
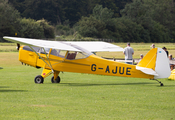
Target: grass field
80, 96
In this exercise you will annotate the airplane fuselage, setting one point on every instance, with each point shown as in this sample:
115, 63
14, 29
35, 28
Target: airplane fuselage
91, 64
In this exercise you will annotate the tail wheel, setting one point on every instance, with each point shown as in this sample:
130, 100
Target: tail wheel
55, 81
39, 79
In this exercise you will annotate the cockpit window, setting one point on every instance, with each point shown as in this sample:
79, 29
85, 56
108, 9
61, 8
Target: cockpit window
46, 50
71, 54
81, 55
76, 55
29, 49
59, 53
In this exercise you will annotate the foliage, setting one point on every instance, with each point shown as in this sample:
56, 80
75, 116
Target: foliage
30, 28
57, 11
64, 30
35, 29
8, 19
48, 29
154, 16
11, 23
120, 20
129, 31
91, 27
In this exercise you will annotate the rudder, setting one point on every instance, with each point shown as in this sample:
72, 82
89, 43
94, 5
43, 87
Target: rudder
156, 63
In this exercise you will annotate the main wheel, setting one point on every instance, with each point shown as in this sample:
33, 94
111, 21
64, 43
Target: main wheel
39, 79
55, 81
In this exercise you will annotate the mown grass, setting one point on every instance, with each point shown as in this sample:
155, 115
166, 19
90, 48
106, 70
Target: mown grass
83, 96
8, 47
80, 96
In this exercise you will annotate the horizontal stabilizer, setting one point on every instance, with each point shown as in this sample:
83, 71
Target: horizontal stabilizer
147, 70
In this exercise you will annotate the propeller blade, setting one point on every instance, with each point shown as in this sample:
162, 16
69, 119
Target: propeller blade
18, 46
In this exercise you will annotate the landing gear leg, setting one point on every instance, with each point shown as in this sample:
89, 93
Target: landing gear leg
56, 78
161, 84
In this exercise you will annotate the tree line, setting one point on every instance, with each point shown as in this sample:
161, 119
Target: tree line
120, 20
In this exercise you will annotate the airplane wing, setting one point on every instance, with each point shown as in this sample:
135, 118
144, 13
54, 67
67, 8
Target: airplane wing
41, 43
97, 46
93, 46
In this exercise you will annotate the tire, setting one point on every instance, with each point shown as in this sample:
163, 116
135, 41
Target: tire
39, 79
55, 81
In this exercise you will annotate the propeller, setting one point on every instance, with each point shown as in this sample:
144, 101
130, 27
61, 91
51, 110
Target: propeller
18, 46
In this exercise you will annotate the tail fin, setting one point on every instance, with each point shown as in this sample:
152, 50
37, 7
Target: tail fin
155, 63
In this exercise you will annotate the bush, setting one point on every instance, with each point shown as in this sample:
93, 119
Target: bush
129, 31
29, 28
48, 29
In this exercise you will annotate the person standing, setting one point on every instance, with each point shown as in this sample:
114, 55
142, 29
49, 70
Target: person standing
141, 57
153, 46
165, 49
128, 52
171, 65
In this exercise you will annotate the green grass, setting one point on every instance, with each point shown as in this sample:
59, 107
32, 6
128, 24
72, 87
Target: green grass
80, 96
8, 47
83, 96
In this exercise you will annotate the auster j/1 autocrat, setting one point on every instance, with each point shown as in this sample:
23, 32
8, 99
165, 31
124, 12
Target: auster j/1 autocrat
56, 56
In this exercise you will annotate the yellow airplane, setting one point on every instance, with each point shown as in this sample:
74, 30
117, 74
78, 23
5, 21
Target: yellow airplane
57, 56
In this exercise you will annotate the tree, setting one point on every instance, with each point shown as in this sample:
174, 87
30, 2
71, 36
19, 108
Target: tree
129, 31
57, 11
100, 24
102, 14
17, 4
143, 12
112, 5
91, 27
48, 29
51, 10
29, 28
8, 19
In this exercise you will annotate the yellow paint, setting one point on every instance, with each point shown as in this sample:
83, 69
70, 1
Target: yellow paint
92, 65
149, 59
56, 73
27, 57
172, 76
46, 72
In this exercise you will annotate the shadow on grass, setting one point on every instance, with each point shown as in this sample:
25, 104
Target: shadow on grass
168, 85
4, 87
13, 91
8, 90
87, 84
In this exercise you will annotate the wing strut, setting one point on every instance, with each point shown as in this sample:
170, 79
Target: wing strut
48, 59
43, 59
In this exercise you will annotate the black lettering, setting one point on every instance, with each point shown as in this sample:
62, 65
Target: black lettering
93, 67
107, 69
127, 71
120, 70
115, 70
